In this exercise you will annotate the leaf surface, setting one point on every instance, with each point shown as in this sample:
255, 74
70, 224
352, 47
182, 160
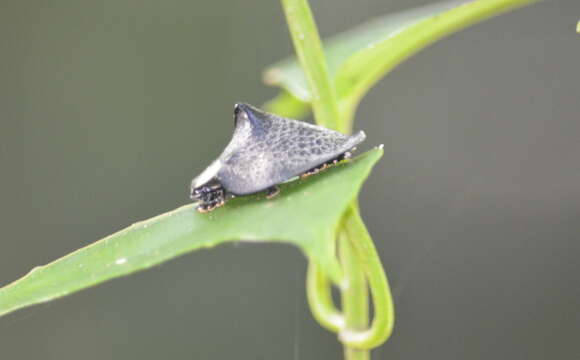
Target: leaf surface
305, 214
360, 57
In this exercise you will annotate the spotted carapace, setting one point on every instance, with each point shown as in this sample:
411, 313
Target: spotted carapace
265, 151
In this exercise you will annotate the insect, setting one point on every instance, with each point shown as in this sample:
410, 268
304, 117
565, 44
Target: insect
265, 151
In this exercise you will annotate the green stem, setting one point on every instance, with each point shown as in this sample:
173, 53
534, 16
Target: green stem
354, 295
353, 333
368, 258
311, 57
319, 293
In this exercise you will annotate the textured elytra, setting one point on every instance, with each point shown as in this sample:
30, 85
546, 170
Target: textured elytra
266, 150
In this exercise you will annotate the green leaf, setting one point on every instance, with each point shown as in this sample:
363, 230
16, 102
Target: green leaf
357, 59
288, 74
287, 105
366, 67
305, 214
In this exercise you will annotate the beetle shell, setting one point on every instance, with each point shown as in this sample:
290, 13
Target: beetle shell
266, 150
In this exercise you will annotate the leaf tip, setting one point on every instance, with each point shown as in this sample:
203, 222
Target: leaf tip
378, 151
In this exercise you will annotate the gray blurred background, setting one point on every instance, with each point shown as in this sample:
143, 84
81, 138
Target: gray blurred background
108, 108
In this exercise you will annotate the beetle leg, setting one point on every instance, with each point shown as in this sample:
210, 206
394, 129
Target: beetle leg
207, 207
308, 173
272, 191
202, 208
314, 171
326, 165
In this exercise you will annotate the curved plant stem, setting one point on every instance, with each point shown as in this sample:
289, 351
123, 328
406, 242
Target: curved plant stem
366, 253
354, 295
319, 293
357, 253
311, 57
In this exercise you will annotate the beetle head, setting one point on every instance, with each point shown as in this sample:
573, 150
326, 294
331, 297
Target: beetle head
206, 177
205, 193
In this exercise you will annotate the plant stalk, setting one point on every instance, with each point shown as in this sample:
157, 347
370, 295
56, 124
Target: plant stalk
368, 259
354, 295
310, 54
353, 323
319, 294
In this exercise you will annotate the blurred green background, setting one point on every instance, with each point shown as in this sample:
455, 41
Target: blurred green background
109, 108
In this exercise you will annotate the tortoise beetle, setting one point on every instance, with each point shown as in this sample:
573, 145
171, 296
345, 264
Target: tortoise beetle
267, 150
